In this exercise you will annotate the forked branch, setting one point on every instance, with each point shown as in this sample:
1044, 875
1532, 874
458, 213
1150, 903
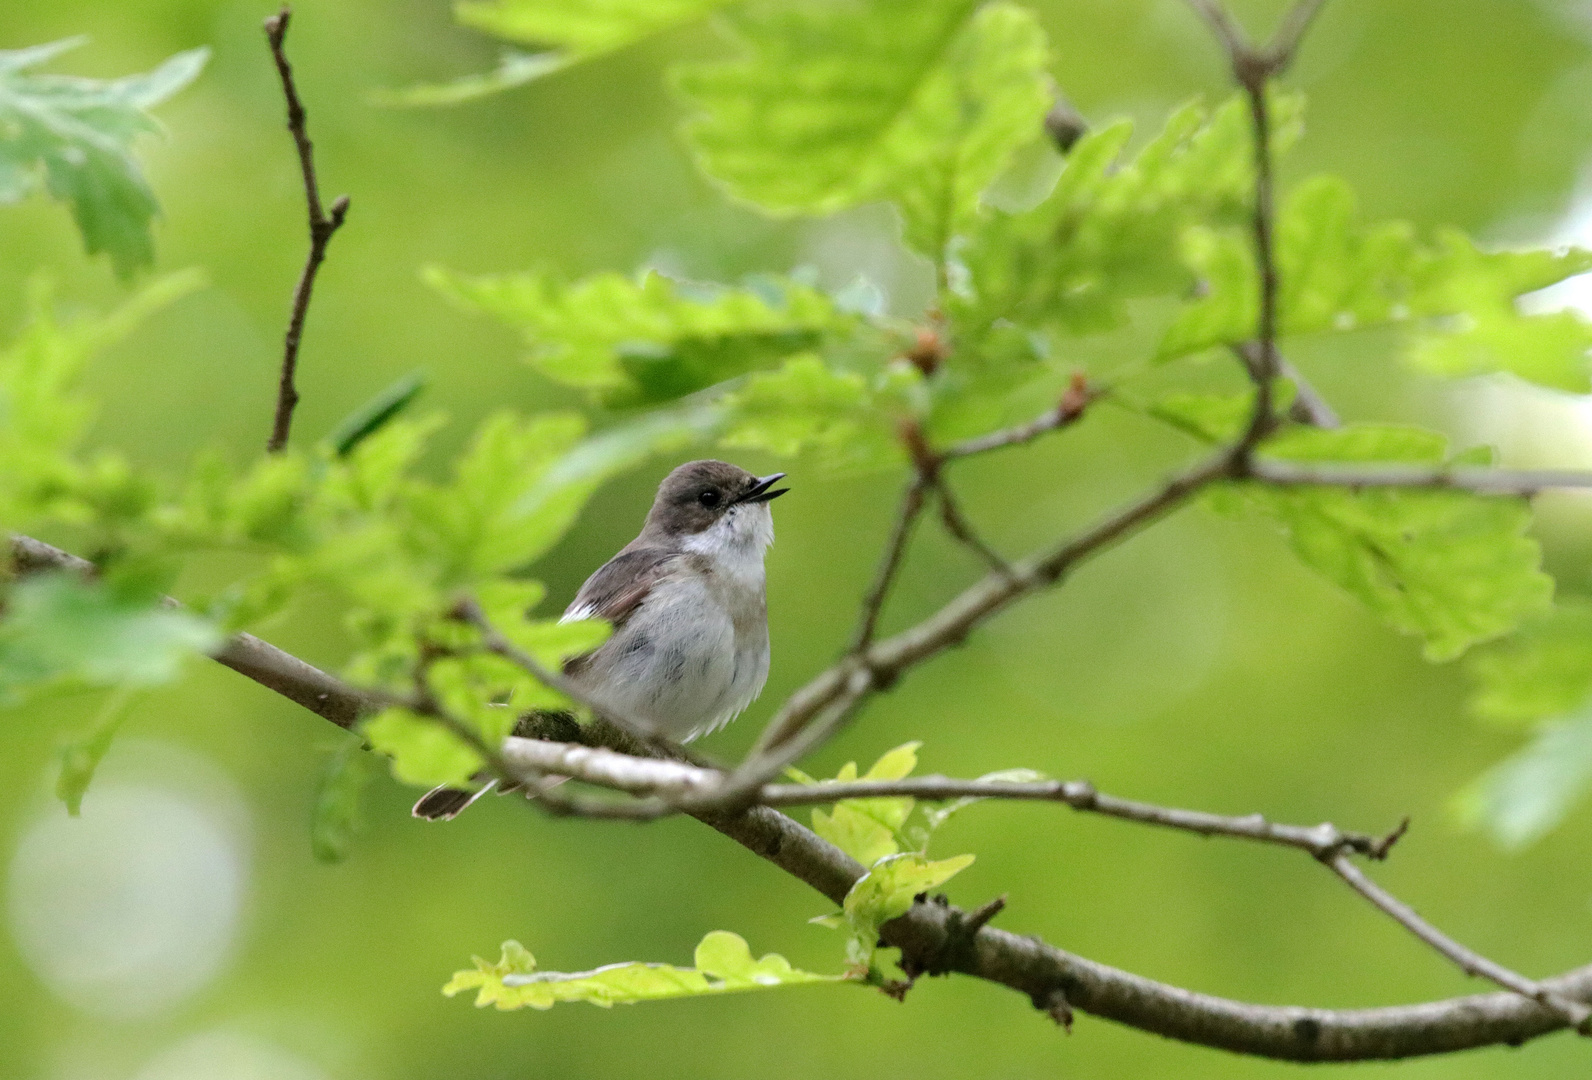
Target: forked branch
322, 224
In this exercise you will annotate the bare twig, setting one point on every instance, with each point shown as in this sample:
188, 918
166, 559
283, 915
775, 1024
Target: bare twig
1228, 33
1575, 1013
1482, 481
960, 528
1284, 43
1309, 407
1069, 410
910, 508
322, 225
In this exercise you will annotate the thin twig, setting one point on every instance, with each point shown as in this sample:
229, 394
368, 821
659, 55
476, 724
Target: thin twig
907, 513
1284, 43
1309, 407
1263, 370
1482, 481
1575, 1013
1228, 33
322, 226
468, 611
960, 528
1069, 410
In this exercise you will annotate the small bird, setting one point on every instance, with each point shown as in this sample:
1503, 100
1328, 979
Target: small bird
686, 599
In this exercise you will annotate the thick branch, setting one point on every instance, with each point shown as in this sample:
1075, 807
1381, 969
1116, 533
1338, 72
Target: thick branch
301, 683
1038, 970
322, 226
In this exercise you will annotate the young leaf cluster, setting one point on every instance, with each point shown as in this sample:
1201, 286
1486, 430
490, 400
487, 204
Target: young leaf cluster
724, 965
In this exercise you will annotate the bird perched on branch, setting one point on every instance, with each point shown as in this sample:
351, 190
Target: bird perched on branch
686, 599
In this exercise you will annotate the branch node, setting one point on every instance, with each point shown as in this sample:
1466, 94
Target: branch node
1379, 850
1054, 1004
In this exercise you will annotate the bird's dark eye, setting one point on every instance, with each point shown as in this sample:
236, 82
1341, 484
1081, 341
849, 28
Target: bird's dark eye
709, 498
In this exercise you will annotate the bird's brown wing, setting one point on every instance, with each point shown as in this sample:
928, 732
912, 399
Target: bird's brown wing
616, 590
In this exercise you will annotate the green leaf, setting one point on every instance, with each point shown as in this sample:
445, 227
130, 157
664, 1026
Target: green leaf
581, 29
337, 816
423, 752
653, 339
514, 68
803, 406
1452, 568
1544, 670
75, 136
987, 98
886, 891
81, 756
724, 964
60, 628
1457, 303
1525, 796
869, 829
836, 104
1109, 231
43, 416
482, 524
1478, 326
376, 414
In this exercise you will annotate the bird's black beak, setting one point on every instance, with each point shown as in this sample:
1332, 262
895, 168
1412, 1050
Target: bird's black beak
759, 492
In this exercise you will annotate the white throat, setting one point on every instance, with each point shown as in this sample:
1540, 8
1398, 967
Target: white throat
737, 540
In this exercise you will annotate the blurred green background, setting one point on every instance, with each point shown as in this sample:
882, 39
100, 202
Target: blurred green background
1199, 665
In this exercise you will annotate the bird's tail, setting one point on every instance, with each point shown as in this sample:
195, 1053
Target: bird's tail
446, 803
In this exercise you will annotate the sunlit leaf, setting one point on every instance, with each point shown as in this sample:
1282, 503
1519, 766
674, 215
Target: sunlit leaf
803, 406
653, 339
1110, 229
835, 104
885, 892
869, 829
1457, 304
1450, 567
724, 964
581, 29
423, 752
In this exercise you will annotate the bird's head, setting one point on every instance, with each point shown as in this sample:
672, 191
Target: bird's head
714, 501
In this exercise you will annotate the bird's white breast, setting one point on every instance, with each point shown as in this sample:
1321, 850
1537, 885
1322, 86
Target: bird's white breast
695, 653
